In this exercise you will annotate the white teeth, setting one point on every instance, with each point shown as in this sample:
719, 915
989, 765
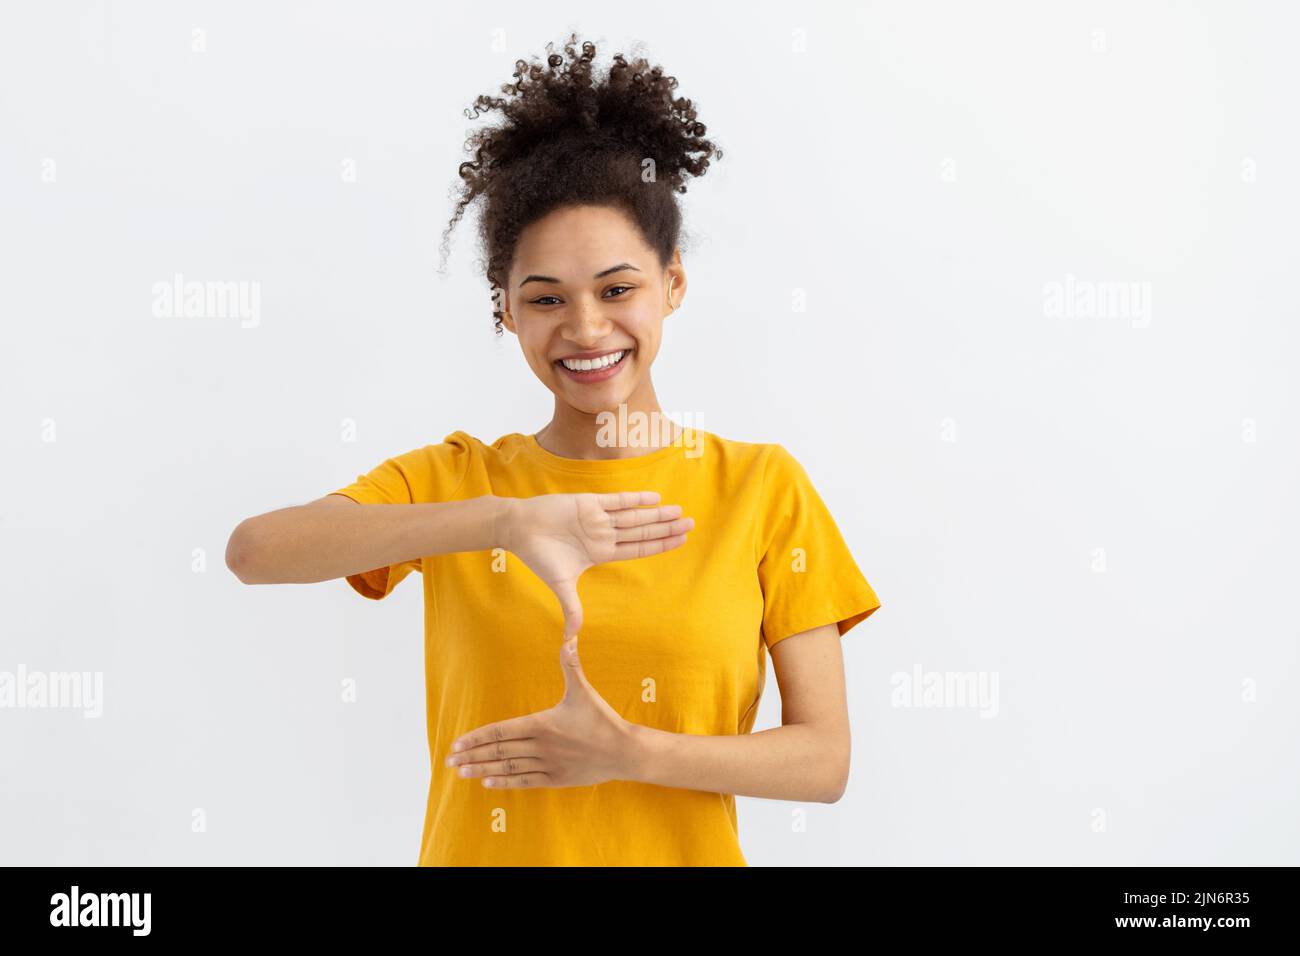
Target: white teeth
587, 365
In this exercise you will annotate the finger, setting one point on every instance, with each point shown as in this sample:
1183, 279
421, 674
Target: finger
497, 750
574, 679
570, 605
617, 500
644, 549
494, 768
519, 781
516, 728
632, 517
663, 529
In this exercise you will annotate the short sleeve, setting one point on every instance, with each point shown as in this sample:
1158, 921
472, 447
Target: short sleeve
806, 571
428, 474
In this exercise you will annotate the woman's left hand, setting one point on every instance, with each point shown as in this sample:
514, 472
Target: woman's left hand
579, 742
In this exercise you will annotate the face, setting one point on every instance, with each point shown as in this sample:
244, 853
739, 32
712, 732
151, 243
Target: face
586, 286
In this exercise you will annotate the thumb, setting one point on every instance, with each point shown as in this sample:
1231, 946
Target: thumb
571, 605
574, 679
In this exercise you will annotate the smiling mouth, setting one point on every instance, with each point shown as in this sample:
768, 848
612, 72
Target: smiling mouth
602, 363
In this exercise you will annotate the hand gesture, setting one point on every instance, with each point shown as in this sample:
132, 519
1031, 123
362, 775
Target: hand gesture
560, 536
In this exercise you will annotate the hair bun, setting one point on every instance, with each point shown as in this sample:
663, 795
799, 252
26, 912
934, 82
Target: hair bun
572, 134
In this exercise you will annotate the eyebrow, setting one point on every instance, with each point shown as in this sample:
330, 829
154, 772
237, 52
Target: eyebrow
599, 275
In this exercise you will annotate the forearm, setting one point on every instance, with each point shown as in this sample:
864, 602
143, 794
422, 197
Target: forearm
304, 544
792, 762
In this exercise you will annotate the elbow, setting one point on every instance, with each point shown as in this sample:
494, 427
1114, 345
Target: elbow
241, 553
838, 771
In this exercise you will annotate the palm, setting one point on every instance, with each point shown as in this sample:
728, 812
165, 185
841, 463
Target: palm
569, 536
560, 536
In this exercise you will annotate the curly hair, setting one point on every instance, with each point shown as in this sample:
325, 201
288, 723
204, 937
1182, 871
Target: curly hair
572, 137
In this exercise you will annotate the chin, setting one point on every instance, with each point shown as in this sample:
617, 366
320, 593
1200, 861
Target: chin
597, 408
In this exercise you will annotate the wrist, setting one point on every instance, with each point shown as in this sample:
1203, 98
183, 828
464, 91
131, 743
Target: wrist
636, 752
503, 511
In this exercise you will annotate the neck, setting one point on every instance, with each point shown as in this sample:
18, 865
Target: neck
640, 426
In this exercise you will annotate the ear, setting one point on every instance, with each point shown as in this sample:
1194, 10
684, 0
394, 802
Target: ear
674, 283
501, 303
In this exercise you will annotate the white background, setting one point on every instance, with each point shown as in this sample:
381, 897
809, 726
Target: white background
1099, 512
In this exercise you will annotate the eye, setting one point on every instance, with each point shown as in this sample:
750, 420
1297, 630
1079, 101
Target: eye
541, 300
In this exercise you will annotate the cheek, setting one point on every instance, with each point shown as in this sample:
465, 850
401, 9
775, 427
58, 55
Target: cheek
535, 353
646, 332
647, 344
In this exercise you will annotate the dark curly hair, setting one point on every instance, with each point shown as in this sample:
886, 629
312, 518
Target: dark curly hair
571, 137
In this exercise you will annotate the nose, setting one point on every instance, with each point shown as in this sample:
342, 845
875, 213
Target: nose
586, 325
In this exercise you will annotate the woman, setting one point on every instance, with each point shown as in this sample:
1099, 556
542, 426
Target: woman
638, 762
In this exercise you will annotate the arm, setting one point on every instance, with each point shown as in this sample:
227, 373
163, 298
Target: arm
806, 758
335, 536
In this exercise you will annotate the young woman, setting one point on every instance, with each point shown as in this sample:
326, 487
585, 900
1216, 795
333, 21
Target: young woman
633, 755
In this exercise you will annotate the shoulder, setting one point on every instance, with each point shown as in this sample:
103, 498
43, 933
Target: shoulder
710, 445
437, 470
762, 461
458, 445
464, 452
762, 477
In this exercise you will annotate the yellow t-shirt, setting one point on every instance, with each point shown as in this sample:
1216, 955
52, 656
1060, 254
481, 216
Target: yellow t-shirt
673, 641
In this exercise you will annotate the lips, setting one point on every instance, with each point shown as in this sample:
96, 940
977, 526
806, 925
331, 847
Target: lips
592, 355
595, 374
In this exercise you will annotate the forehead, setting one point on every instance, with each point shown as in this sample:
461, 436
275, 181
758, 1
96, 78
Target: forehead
576, 242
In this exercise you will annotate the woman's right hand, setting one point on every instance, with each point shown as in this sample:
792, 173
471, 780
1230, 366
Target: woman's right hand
560, 536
